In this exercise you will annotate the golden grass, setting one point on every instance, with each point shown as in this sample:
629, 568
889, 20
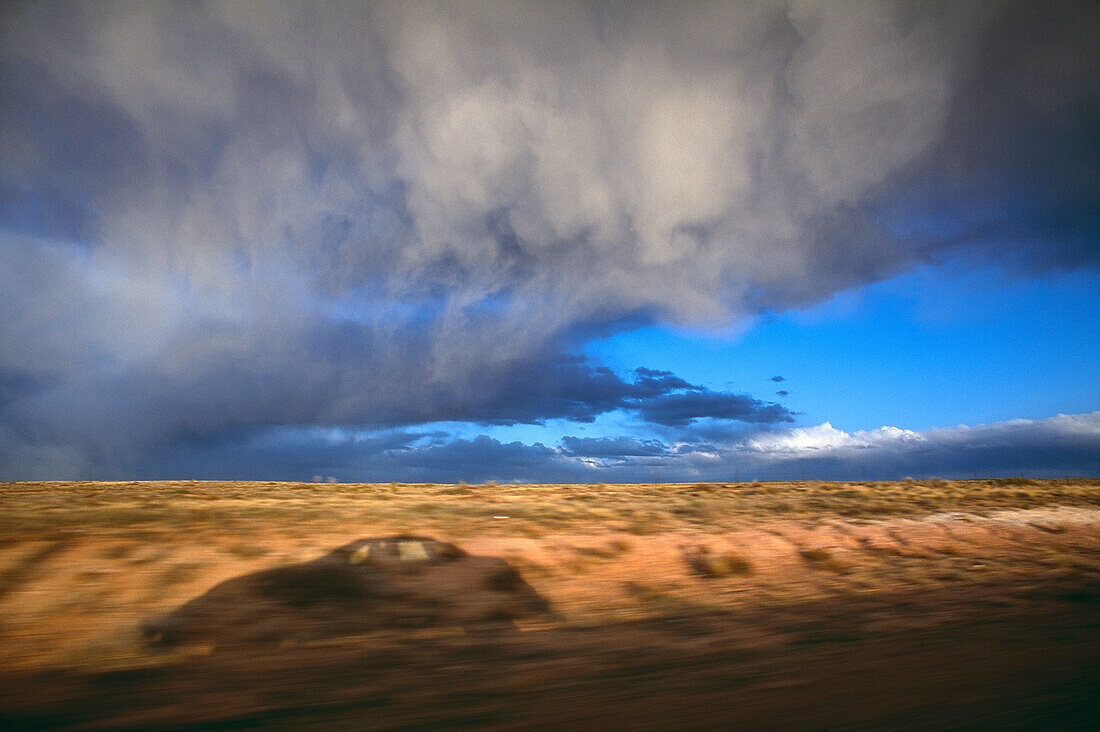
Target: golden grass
640, 509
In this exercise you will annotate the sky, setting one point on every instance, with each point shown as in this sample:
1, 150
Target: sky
545, 242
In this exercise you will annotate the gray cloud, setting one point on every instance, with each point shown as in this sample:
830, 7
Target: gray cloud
216, 219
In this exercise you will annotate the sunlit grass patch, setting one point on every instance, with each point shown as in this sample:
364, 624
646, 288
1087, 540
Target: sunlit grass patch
660, 600
178, 574
606, 551
115, 551
246, 551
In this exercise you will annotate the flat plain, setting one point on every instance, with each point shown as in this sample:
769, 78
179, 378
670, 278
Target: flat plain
910, 604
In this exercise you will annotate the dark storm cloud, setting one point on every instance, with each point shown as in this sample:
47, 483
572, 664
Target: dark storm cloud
575, 389
221, 217
571, 388
1013, 177
677, 410
1055, 447
387, 457
613, 447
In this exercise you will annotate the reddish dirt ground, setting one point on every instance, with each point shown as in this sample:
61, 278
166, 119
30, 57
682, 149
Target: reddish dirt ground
1014, 658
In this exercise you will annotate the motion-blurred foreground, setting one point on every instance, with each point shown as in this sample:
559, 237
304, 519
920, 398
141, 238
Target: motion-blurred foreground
767, 605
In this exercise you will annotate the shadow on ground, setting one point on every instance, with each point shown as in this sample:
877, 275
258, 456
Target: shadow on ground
369, 585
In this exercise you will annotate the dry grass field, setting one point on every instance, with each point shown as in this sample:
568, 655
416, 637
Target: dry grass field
950, 604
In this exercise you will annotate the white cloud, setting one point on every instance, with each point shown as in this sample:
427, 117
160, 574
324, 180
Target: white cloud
1069, 441
824, 438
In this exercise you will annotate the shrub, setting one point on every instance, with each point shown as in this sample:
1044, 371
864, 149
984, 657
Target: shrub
822, 559
719, 565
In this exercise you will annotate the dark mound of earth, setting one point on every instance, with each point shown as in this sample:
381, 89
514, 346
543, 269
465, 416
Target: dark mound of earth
365, 586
